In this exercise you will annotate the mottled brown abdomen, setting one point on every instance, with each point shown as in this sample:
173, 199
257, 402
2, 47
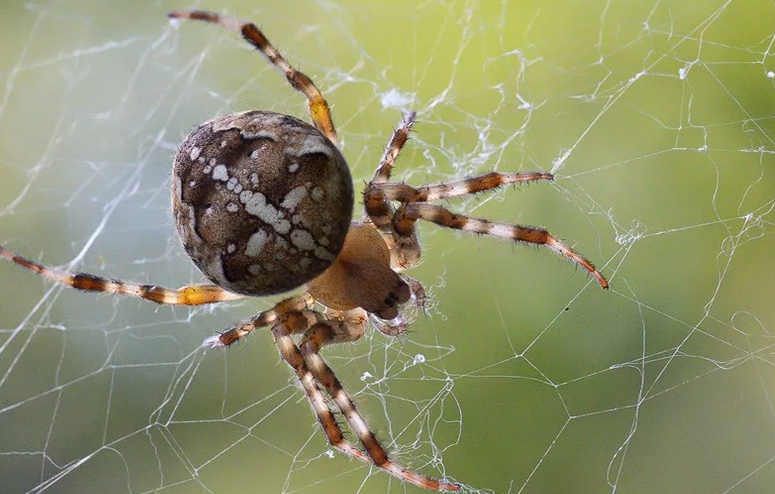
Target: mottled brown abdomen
262, 201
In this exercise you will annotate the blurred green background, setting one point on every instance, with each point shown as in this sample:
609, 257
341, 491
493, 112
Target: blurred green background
657, 119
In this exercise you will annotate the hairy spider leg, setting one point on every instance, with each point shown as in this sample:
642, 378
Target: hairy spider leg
378, 196
404, 251
377, 193
411, 212
187, 295
312, 370
265, 318
293, 316
318, 107
293, 357
393, 149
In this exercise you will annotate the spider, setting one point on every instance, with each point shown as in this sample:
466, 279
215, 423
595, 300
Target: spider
263, 204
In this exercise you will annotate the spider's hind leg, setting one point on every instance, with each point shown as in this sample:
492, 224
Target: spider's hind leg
318, 107
187, 295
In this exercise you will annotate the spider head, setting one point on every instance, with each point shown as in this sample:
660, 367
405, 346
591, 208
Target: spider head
262, 201
361, 276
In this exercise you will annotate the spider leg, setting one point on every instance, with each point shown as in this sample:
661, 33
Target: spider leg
265, 318
379, 191
393, 148
472, 185
292, 316
293, 357
378, 194
351, 328
406, 217
378, 208
187, 295
318, 107
398, 191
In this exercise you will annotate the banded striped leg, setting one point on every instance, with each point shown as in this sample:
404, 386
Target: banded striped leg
312, 371
293, 357
378, 197
399, 191
411, 212
187, 295
405, 252
393, 148
265, 318
318, 107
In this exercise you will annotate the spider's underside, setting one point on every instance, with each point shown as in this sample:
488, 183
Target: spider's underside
263, 204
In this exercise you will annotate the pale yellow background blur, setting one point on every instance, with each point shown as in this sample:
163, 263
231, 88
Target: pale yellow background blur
657, 118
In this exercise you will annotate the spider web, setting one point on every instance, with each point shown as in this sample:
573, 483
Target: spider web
655, 116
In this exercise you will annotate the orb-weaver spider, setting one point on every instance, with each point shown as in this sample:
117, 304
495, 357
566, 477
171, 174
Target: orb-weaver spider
263, 204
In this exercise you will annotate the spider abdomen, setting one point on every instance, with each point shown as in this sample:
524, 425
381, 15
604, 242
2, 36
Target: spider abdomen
262, 201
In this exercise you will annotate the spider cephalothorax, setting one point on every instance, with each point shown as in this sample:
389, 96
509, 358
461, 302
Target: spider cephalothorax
263, 204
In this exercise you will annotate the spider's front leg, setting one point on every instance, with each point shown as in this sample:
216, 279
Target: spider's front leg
312, 371
413, 211
404, 251
265, 318
414, 204
289, 324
